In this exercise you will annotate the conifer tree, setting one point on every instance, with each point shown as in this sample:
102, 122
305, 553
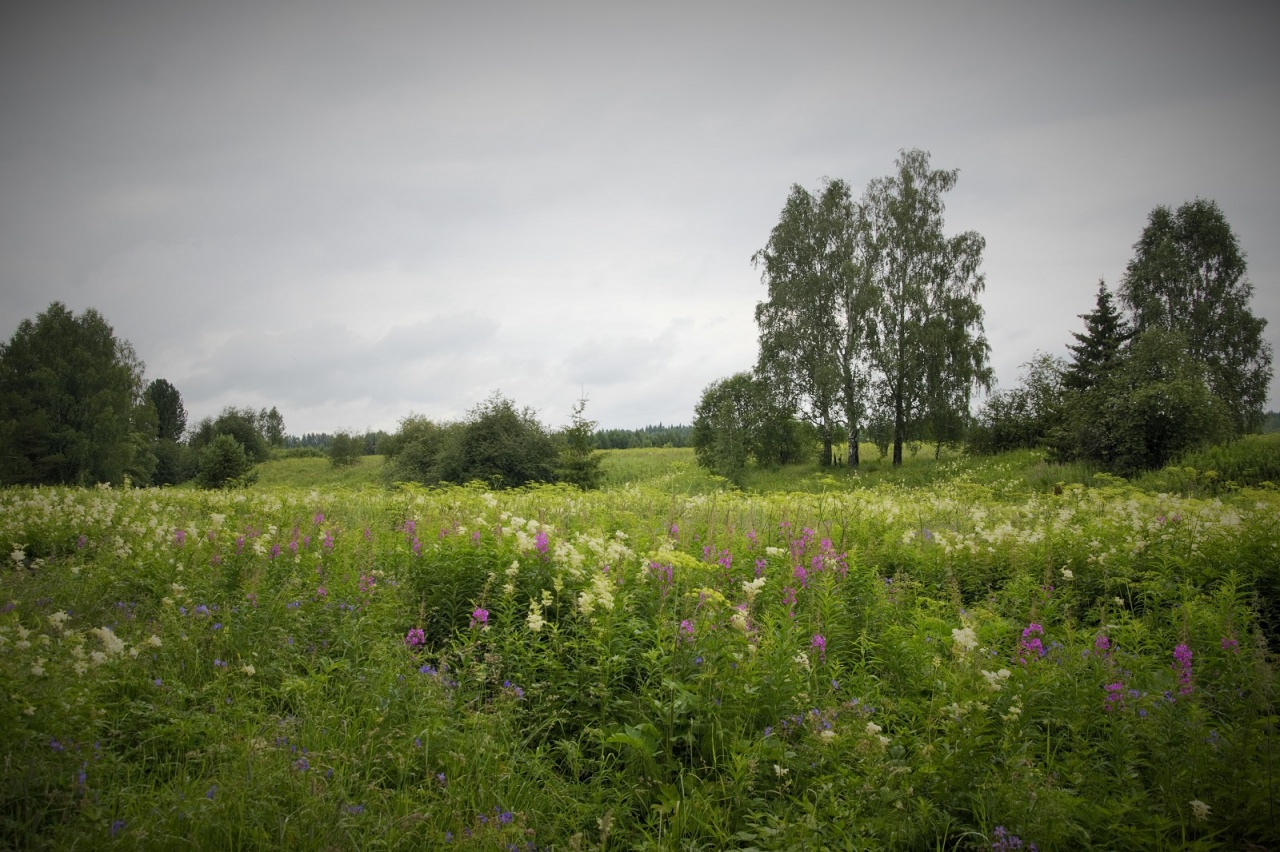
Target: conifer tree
1098, 349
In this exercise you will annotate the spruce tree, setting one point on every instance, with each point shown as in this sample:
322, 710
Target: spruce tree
1098, 349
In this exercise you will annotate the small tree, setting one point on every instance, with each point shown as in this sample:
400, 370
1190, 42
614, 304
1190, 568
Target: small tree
1100, 347
1155, 405
242, 424
345, 450
224, 463
579, 462
504, 446
724, 423
1025, 416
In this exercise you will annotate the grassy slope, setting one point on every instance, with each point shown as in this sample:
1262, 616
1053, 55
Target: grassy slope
675, 470
319, 473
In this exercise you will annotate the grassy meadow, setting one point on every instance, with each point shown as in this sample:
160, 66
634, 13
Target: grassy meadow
960, 654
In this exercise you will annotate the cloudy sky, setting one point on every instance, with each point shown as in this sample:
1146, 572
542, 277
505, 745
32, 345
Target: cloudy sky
357, 210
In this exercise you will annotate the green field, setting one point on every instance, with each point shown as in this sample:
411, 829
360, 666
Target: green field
960, 654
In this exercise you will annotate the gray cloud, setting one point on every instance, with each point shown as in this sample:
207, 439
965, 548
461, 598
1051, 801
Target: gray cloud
351, 211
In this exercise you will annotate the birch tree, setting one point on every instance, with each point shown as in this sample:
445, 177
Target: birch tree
928, 348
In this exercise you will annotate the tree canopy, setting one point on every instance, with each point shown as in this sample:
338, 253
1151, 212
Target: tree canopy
71, 407
928, 347
1188, 275
805, 265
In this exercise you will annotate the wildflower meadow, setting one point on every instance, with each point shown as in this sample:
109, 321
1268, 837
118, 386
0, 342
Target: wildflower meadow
945, 666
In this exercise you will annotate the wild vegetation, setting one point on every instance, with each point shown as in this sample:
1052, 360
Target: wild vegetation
967, 660
489, 634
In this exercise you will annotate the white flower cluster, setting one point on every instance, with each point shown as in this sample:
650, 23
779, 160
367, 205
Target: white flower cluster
995, 680
964, 638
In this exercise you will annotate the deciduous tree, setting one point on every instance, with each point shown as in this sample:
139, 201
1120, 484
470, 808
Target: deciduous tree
928, 348
800, 332
1188, 274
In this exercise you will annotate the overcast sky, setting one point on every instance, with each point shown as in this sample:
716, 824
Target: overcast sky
357, 210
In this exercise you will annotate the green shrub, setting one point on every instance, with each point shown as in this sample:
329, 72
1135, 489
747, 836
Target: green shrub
224, 464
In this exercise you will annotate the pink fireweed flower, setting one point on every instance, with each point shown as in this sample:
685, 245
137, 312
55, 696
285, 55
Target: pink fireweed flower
318, 519
801, 575
1230, 643
327, 542
686, 629
789, 600
367, 582
179, 537
1115, 697
751, 537
1102, 644
540, 542
479, 618
368, 534
417, 547
415, 637
1030, 645
820, 642
1182, 665
275, 551
321, 592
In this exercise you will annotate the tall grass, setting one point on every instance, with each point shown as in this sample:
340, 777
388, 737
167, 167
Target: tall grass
661, 665
318, 473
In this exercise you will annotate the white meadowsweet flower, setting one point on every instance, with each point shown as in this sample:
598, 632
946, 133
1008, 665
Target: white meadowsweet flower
802, 660
110, 641
1199, 810
780, 771
1067, 575
751, 588
98, 658
773, 551
58, 618
249, 670
995, 680
873, 728
23, 632
18, 554
965, 639
38, 668
154, 641
828, 735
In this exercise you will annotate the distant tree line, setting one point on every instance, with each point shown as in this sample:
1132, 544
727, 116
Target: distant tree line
647, 436
368, 442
